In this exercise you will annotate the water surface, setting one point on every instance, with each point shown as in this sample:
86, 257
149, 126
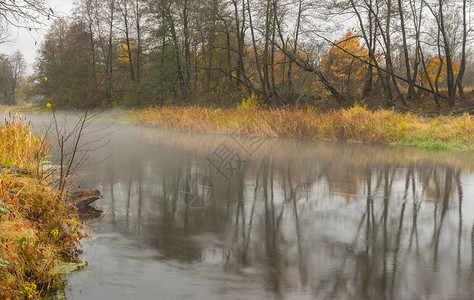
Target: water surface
296, 219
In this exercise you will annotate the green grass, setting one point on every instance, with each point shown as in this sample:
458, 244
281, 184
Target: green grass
453, 145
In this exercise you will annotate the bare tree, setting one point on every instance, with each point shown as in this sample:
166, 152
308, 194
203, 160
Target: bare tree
24, 13
18, 66
462, 67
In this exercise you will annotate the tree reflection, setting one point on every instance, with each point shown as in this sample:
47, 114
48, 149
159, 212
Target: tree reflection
329, 223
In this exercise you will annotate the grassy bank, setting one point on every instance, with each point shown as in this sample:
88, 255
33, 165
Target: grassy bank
355, 124
38, 230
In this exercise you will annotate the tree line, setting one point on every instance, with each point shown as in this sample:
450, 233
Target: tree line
155, 52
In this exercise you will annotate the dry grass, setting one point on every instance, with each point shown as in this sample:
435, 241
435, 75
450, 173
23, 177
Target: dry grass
19, 146
37, 228
354, 124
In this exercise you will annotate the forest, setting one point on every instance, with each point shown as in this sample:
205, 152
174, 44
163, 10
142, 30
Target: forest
224, 149
141, 53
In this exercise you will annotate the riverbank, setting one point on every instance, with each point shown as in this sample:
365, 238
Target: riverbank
357, 124
38, 230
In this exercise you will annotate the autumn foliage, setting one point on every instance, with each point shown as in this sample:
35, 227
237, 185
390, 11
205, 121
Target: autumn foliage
436, 70
343, 70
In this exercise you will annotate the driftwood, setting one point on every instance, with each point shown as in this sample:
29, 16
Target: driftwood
82, 199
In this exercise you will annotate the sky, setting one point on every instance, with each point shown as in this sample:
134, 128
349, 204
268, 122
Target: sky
25, 41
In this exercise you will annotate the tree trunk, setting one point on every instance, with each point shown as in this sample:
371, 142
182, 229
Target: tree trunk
411, 88
462, 67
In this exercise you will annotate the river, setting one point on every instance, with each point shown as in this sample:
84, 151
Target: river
207, 216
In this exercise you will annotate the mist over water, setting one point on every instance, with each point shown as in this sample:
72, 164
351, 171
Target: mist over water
297, 220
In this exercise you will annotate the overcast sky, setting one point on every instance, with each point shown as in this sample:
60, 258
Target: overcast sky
25, 41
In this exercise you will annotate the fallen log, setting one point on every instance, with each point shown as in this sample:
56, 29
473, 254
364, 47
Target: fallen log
82, 199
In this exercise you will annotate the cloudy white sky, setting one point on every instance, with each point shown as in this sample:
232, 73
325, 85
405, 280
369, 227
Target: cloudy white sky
25, 41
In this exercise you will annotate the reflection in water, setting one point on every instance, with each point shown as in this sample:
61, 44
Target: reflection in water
300, 219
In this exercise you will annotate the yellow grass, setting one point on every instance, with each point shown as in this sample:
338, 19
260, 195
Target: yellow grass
354, 124
19, 146
37, 228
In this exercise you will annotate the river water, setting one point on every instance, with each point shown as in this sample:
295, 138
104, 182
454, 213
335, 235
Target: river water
278, 218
